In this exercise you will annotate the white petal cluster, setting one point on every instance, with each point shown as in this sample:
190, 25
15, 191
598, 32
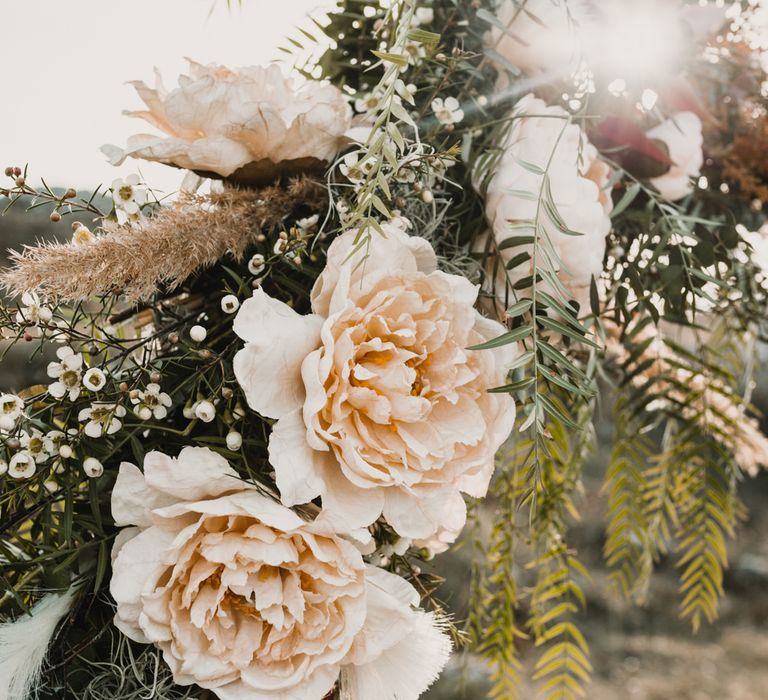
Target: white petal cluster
683, 138
239, 123
246, 599
539, 35
102, 419
381, 408
68, 373
543, 139
152, 402
129, 198
11, 408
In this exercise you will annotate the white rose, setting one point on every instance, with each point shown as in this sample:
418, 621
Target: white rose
246, 599
542, 137
541, 36
249, 124
381, 408
683, 137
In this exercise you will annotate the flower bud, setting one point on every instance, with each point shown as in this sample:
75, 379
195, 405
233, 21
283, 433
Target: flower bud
9, 172
13, 444
55, 217
17, 171
205, 411
20, 181
92, 467
227, 393
234, 441
70, 194
65, 452
198, 334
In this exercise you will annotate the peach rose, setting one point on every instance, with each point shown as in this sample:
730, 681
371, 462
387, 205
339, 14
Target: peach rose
682, 135
248, 125
542, 137
381, 407
248, 600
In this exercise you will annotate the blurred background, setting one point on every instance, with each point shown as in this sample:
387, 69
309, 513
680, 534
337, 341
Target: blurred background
58, 115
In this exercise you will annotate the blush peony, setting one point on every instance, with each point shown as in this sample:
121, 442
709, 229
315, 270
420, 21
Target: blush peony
381, 407
541, 137
248, 600
248, 125
682, 136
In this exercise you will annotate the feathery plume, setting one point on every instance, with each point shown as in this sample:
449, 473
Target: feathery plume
24, 644
165, 250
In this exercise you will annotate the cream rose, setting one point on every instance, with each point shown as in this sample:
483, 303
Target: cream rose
381, 407
248, 125
542, 137
540, 35
682, 135
248, 600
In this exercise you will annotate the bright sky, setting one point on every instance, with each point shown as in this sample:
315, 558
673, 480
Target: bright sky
65, 66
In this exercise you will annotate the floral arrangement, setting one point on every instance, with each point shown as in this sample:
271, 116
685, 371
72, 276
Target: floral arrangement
393, 287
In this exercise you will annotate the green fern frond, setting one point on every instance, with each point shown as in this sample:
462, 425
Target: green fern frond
628, 549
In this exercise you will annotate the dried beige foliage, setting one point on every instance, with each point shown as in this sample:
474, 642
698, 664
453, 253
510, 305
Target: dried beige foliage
165, 250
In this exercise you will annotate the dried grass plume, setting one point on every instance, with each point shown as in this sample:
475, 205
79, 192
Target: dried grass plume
164, 251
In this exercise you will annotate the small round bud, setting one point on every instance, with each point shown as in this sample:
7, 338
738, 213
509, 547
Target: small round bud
441, 57
55, 217
205, 354
155, 377
234, 441
427, 197
255, 284
28, 337
9, 172
65, 452
70, 194
297, 261
198, 334
227, 393
13, 444
173, 338
482, 101
17, 171
134, 395
123, 386
400, 202
417, 187
230, 304
260, 238
92, 467
20, 181
205, 411
76, 225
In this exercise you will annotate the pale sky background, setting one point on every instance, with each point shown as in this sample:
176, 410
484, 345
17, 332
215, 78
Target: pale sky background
65, 65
